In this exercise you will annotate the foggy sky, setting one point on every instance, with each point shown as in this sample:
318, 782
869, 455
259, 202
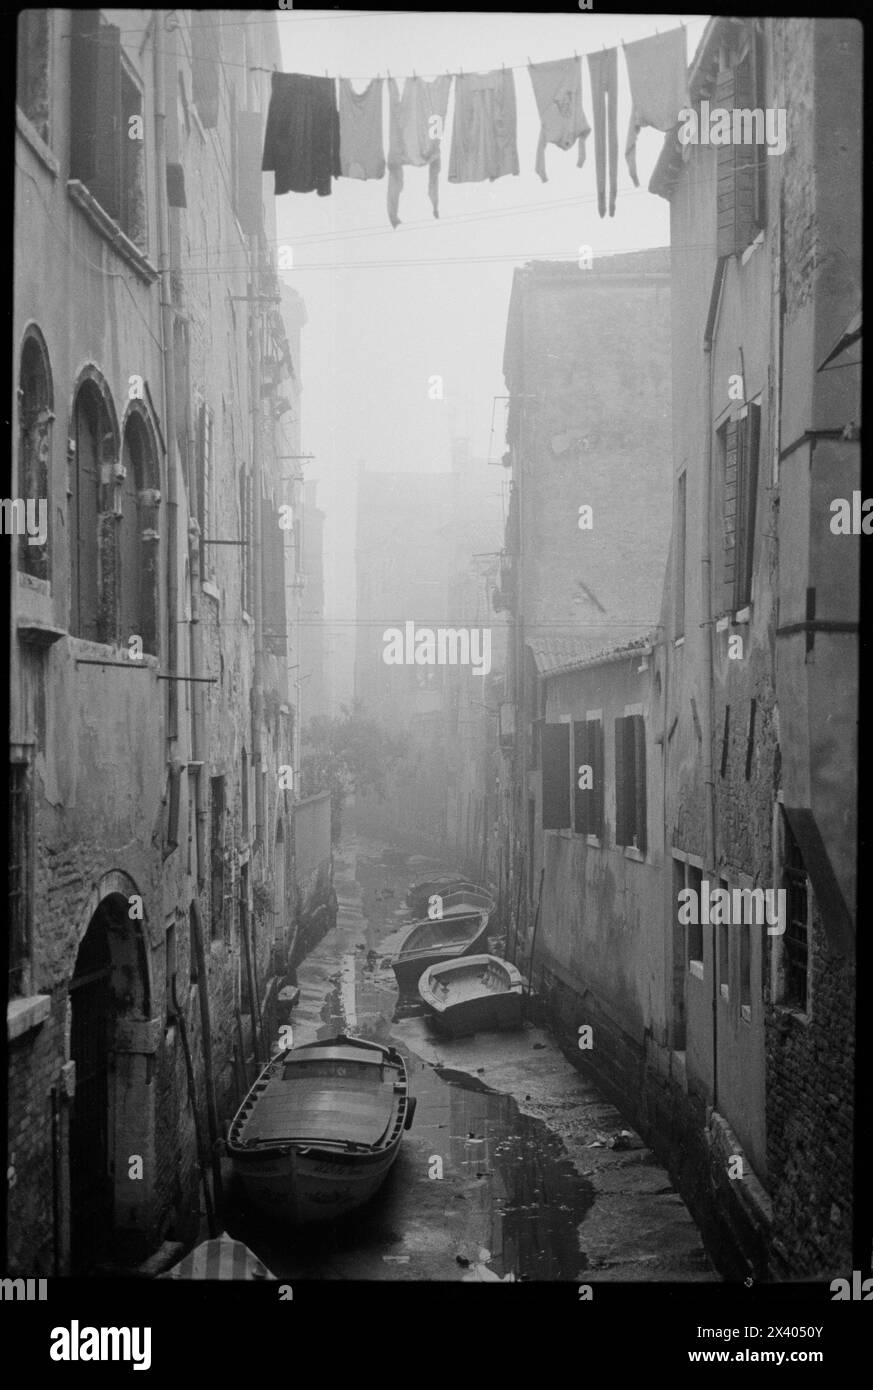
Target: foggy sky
389, 308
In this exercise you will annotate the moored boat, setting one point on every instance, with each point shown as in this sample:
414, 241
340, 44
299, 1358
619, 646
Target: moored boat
419, 894
319, 1130
476, 992
430, 942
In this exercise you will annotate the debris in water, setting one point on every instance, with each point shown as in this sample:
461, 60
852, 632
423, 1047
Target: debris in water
465, 1263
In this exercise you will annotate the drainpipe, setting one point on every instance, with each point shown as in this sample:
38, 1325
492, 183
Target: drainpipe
706, 627
196, 649
169, 371
256, 561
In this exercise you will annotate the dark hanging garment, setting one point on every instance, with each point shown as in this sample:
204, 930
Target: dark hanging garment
205, 61
302, 143
603, 70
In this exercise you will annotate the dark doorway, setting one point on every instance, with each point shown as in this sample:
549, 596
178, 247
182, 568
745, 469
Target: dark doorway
91, 1187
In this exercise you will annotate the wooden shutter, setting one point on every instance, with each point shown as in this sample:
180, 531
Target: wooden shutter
273, 577
581, 799
725, 170
730, 488
639, 770
746, 159
206, 55
250, 199
595, 750
622, 819
95, 146
556, 776
747, 499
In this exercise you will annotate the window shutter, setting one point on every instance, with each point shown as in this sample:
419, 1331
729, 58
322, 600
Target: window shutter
251, 200
95, 108
746, 158
595, 748
556, 776
273, 580
639, 751
106, 185
748, 498
621, 787
729, 512
206, 55
581, 799
725, 170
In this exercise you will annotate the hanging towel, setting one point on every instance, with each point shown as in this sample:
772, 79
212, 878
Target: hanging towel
656, 70
484, 125
362, 154
411, 135
603, 70
558, 91
302, 143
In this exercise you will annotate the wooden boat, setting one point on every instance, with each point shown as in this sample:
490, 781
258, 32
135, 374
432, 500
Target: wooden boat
476, 992
318, 1132
465, 901
427, 943
419, 895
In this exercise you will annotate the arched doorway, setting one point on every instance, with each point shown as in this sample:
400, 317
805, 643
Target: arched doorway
111, 1113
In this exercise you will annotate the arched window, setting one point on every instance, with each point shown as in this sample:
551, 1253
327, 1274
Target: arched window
34, 456
92, 523
138, 536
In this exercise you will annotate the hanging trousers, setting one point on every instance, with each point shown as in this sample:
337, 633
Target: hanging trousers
603, 69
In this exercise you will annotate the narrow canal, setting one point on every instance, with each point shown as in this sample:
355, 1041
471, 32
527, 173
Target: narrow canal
509, 1171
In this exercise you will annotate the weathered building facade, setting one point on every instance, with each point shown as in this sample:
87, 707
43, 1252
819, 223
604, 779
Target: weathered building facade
726, 734
151, 729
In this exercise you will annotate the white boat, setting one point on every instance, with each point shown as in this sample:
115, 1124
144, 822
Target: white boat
472, 994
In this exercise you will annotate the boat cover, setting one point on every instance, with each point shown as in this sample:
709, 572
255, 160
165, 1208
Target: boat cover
220, 1258
347, 1109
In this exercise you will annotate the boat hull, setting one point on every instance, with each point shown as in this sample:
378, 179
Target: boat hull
461, 1003
318, 1132
409, 966
311, 1187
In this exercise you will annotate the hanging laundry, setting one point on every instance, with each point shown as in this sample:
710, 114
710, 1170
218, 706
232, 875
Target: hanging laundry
414, 136
484, 127
302, 140
656, 69
557, 88
362, 154
603, 70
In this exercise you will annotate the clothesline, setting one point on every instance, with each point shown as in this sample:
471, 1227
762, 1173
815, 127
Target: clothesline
429, 76
320, 129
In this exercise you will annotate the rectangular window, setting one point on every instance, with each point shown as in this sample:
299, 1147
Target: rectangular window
741, 168
273, 580
33, 86
206, 56
694, 880
795, 942
556, 776
588, 755
216, 855
19, 878
630, 782
106, 151
746, 500
679, 575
